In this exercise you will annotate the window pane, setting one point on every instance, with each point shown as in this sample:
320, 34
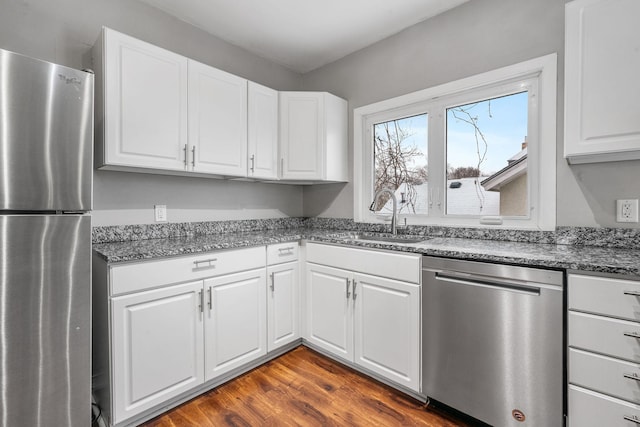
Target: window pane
400, 164
487, 157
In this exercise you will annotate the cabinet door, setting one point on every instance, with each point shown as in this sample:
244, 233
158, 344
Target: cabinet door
263, 132
235, 326
217, 121
282, 305
301, 135
387, 328
145, 104
329, 313
157, 347
602, 65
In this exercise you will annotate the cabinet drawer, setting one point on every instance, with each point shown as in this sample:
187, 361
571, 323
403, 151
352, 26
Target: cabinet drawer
147, 274
282, 252
405, 267
605, 374
602, 295
591, 409
604, 335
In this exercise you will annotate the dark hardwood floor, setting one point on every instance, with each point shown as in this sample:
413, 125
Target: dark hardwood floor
303, 388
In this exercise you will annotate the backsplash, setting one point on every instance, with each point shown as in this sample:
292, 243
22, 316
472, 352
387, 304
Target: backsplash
122, 233
578, 236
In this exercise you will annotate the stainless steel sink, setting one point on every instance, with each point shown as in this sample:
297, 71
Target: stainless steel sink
374, 237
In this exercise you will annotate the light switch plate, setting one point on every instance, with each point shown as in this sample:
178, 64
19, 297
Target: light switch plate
160, 212
627, 210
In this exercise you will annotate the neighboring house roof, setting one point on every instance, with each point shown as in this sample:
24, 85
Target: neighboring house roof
464, 200
517, 167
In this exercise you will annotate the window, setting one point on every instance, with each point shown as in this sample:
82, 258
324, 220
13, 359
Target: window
478, 151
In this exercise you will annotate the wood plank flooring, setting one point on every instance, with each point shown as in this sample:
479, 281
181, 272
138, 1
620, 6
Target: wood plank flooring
303, 388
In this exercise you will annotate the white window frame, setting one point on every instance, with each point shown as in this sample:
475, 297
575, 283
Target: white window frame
538, 75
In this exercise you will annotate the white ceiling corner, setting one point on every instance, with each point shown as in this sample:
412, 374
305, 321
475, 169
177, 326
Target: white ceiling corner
303, 34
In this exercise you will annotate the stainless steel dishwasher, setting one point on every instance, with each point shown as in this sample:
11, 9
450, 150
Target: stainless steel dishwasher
493, 341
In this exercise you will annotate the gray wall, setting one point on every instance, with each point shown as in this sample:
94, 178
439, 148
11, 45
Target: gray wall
478, 36
64, 31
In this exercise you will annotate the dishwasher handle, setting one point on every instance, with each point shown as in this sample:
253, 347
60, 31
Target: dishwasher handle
488, 283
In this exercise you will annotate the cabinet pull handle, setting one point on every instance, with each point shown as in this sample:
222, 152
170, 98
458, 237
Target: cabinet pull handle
210, 301
633, 376
193, 156
203, 261
354, 289
632, 418
632, 293
200, 301
273, 282
287, 249
185, 155
348, 293
253, 159
632, 335
281, 166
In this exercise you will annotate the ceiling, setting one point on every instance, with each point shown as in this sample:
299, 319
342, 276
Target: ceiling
303, 34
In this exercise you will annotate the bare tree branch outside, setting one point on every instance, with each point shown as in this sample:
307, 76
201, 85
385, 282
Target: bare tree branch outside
395, 163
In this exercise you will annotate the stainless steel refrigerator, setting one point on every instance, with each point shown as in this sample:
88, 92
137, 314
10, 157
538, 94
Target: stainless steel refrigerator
46, 150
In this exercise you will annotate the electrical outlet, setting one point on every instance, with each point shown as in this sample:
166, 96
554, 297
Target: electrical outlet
627, 210
160, 212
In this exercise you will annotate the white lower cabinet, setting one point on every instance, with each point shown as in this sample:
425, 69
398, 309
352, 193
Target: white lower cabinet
168, 338
591, 409
604, 351
157, 347
330, 310
369, 320
235, 330
282, 305
170, 327
387, 328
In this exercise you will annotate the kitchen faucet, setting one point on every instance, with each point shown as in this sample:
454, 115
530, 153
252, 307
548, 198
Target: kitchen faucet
394, 216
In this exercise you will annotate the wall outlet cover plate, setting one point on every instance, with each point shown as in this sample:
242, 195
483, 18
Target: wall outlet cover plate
160, 213
627, 210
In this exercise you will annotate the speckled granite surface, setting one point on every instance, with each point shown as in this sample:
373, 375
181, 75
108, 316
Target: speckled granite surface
521, 248
586, 258
185, 245
123, 233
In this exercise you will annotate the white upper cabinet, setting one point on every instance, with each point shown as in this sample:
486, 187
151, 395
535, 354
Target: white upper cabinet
160, 112
602, 65
263, 132
141, 104
313, 136
217, 121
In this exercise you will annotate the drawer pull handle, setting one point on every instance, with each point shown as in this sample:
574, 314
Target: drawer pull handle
632, 418
632, 335
205, 261
287, 249
633, 376
632, 293
348, 293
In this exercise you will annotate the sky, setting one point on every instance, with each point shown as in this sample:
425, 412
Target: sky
503, 121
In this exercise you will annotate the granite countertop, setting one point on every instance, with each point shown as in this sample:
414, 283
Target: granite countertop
556, 256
